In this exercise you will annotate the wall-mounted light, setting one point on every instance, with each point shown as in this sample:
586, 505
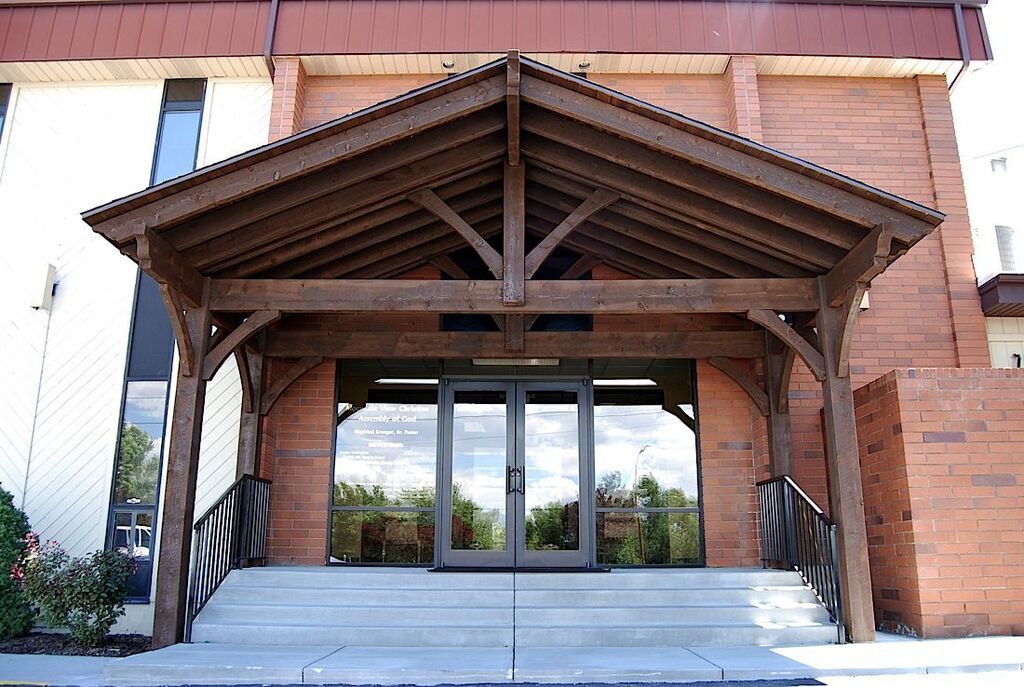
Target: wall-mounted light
448, 65
584, 66
42, 284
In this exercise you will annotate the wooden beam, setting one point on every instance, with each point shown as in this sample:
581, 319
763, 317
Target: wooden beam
238, 336
778, 367
274, 391
512, 82
179, 488
811, 356
430, 201
627, 296
645, 189
285, 160
677, 137
179, 325
862, 264
594, 203
250, 370
168, 268
453, 270
515, 333
420, 253
584, 264
448, 345
514, 235
746, 382
846, 494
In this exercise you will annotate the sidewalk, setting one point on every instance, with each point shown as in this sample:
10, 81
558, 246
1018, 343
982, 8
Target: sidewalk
210, 664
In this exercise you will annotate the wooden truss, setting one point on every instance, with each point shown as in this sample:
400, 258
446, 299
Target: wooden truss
514, 180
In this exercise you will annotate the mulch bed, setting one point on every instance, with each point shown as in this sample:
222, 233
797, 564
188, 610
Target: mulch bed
114, 646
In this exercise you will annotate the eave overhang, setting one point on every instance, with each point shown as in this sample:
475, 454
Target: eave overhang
1003, 295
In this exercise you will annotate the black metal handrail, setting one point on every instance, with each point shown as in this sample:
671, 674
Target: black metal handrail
796, 535
231, 534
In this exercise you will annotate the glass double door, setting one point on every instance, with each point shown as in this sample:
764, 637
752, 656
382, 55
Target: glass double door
514, 474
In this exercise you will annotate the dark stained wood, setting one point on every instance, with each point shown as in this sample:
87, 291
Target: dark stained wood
302, 160
849, 309
420, 253
452, 269
286, 257
238, 336
313, 216
579, 268
512, 98
278, 387
179, 325
696, 185
515, 333
625, 296
429, 200
805, 251
168, 267
594, 203
275, 201
742, 376
714, 250
514, 233
678, 139
348, 344
811, 356
778, 367
178, 515
613, 256
862, 264
844, 479
250, 368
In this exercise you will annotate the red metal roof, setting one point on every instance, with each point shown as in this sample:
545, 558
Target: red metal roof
193, 28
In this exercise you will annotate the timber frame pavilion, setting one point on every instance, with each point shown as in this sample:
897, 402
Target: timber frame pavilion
515, 160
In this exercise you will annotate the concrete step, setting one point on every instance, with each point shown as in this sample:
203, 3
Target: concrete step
353, 578
672, 615
698, 578
547, 598
415, 616
427, 635
698, 634
309, 596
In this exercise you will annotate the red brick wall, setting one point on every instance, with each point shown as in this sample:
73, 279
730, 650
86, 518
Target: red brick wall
944, 494
299, 446
330, 97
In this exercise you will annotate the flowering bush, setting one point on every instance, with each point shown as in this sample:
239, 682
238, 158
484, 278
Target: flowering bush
86, 595
16, 614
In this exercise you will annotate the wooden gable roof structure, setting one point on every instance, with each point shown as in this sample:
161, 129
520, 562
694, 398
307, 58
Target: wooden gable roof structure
488, 175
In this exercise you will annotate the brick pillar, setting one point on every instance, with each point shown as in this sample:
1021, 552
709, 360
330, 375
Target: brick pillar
744, 100
286, 110
970, 339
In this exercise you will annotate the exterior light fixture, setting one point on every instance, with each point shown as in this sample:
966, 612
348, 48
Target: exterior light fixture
402, 380
448, 64
625, 382
583, 66
516, 362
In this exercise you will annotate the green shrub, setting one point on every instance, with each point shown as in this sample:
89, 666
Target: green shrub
16, 614
85, 595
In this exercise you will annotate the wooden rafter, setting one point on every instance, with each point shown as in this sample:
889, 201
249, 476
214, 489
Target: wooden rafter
236, 338
812, 357
860, 265
744, 379
347, 344
430, 201
168, 268
594, 203
420, 253
274, 391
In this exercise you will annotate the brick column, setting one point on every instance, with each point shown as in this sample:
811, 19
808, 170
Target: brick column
970, 339
289, 99
744, 100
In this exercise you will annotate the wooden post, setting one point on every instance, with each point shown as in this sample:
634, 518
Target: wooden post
846, 495
778, 364
179, 489
249, 424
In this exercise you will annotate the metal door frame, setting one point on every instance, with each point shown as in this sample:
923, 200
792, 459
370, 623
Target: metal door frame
515, 554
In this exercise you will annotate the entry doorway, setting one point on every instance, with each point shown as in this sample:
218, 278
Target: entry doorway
515, 474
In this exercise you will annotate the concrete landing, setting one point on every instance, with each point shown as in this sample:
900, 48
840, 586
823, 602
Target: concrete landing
220, 664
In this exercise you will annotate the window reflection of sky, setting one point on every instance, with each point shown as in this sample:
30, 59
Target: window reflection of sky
391, 445
645, 440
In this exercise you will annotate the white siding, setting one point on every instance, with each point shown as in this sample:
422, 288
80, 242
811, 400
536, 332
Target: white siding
1005, 339
68, 148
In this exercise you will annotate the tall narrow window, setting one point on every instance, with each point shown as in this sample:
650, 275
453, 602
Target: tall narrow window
138, 464
1007, 255
5, 96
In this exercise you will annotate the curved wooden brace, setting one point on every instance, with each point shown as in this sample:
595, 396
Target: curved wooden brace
769, 319
238, 336
746, 382
778, 369
176, 311
300, 368
851, 307
245, 377
864, 262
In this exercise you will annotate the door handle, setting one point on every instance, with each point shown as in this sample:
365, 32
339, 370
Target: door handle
510, 473
521, 480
